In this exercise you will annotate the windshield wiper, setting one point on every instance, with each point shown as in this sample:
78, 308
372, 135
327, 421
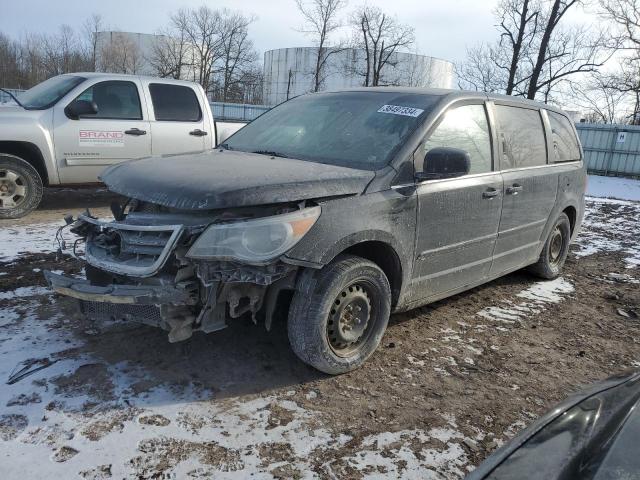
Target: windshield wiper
225, 146
13, 97
270, 153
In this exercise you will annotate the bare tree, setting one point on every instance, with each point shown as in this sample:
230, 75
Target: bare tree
598, 99
120, 55
563, 53
170, 54
202, 27
214, 47
535, 54
498, 67
238, 55
481, 71
10, 72
91, 27
625, 16
380, 36
518, 28
321, 20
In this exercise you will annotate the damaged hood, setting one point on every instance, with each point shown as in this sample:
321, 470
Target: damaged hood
221, 179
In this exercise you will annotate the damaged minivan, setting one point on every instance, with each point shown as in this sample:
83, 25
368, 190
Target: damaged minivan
335, 209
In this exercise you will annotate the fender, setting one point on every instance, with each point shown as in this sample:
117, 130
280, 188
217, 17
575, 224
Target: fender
32, 127
390, 220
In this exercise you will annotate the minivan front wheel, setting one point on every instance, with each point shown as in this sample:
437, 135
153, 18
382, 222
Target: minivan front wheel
555, 250
339, 314
20, 187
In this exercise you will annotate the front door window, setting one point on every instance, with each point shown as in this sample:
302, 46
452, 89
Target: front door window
116, 100
465, 128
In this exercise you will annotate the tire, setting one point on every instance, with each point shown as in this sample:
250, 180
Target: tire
330, 333
20, 187
555, 250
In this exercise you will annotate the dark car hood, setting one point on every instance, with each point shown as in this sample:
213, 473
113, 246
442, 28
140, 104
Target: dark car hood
221, 179
591, 435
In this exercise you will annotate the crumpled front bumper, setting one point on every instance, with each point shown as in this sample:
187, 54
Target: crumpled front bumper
146, 304
118, 294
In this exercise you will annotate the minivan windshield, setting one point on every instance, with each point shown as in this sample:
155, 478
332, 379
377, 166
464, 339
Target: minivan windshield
47, 93
356, 129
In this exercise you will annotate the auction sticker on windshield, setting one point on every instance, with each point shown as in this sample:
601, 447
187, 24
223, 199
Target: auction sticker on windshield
101, 138
397, 110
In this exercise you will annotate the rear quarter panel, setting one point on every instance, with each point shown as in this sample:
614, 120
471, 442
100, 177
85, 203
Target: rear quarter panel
572, 184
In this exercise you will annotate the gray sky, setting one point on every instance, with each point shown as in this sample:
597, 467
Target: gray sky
443, 28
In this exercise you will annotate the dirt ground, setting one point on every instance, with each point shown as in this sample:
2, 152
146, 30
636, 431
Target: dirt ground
450, 383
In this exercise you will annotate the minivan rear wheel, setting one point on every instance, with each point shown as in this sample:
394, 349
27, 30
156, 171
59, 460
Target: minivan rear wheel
339, 314
20, 187
555, 250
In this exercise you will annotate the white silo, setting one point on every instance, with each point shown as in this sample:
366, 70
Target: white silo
289, 72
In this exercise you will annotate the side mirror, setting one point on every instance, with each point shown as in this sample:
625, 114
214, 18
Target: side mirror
444, 162
77, 108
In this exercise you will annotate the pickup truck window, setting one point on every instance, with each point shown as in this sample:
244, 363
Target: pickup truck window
115, 100
465, 128
174, 103
48, 93
357, 129
522, 136
565, 143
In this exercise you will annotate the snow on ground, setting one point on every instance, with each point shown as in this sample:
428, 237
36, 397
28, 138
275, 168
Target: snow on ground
28, 239
611, 207
613, 187
500, 317
604, 217
536, 298
80, 417
62, 422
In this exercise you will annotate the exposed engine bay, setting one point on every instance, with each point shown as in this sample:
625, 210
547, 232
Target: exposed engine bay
186, 271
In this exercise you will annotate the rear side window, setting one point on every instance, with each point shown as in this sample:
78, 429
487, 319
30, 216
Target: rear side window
115, 99
174, 103
521, 136
465, 128
565, 144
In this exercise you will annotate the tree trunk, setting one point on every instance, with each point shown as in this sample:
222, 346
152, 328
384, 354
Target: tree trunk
366, 51
542, 52
517, 46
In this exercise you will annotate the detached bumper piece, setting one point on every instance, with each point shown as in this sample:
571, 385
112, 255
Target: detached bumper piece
138, 303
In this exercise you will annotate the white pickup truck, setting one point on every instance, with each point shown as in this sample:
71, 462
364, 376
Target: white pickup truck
66, 130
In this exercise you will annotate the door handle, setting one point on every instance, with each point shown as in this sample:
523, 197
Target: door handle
490, 193
514, 189
135, 131
197, 133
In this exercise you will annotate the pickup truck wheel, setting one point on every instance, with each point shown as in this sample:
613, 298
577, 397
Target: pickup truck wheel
555, 250
20, 187
339, 314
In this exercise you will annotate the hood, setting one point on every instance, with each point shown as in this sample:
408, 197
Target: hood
12, 109
593, 435
223, 179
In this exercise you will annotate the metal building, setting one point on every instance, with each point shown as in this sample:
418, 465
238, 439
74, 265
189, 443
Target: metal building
131, 52
289, 71
611, 149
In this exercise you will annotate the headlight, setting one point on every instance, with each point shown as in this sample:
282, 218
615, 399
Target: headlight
254, 241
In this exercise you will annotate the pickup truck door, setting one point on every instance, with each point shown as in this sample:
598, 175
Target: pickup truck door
178, 123
458, 218
118, 132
